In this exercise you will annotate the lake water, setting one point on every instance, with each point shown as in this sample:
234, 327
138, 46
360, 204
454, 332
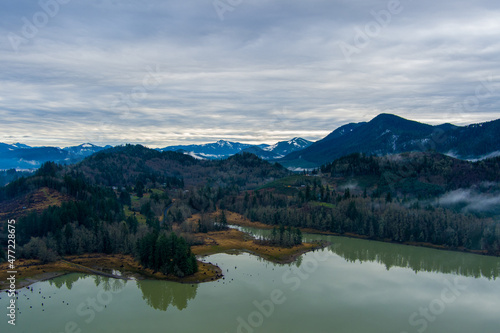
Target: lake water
352, 286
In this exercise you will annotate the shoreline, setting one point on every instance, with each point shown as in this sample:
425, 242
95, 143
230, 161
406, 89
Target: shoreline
244, 222
30, 271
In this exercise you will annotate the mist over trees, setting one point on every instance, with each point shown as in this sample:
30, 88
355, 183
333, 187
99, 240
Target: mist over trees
137, 201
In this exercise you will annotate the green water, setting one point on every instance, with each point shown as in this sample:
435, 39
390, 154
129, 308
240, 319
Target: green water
353, 286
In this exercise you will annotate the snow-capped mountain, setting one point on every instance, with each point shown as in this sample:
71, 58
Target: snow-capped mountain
4, 147
280, 149
216, 150
21, 156
84, 150
224, 149
284, 148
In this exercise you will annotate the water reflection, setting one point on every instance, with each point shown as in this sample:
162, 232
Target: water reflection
109, 284
66, 280
106, 283
396, 255
161, 294
157, 294
417, 258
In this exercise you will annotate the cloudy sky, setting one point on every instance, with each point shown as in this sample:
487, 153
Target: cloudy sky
178, 72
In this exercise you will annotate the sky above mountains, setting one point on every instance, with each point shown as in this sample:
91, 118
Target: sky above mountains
166, 72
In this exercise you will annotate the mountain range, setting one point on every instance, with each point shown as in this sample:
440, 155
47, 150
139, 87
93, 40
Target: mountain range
389, 134
21, 156
224, 149
385, 134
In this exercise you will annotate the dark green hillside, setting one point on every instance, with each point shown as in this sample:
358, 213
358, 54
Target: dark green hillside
125, 165
389, 134
393, 198
414, 174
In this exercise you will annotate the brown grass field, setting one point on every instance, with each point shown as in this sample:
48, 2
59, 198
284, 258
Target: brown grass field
233, 240
37, 201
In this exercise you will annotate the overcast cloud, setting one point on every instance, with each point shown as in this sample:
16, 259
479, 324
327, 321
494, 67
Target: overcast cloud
180, 72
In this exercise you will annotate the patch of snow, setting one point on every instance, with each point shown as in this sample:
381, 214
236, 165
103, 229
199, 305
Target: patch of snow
86, 145
394, 138
270, 148
385, 132
223, 143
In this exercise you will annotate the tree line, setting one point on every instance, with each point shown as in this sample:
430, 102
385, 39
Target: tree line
377, 218
94, 222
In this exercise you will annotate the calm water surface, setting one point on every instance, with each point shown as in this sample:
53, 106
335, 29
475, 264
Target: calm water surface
353, 286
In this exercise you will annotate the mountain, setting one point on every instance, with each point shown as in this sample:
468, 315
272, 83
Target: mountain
84, 150
224, 149
389, 134
472, 142
125, 165
217, 150
20, 156
6, 147
278, 150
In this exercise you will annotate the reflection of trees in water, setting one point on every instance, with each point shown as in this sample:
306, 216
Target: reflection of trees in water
418, 258
108, 284
161, 294
67, 280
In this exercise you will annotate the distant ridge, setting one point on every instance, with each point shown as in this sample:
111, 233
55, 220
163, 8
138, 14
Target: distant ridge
224, 149
20, 156
385, 134
390, 134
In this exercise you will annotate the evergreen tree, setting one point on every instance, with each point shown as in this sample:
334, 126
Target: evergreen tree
223, 219
139, 188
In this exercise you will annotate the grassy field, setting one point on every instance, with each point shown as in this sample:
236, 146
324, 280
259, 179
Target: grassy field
140, 218
234, 241
37, 201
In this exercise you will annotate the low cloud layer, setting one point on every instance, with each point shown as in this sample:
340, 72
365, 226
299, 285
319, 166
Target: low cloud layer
472, 201
170, 72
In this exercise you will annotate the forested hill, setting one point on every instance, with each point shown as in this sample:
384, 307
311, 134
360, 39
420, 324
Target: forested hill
117, 201
128, 168
425, 198
127, 199
416, 174
390, 134
125, 165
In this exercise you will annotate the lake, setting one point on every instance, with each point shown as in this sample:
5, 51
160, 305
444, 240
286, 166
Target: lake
353, 285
